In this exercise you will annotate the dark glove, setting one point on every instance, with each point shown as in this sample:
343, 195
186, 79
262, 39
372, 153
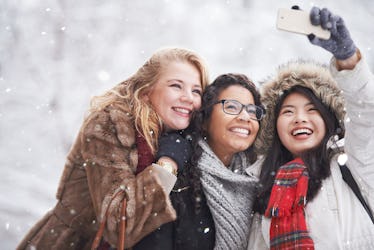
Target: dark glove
176, 147
340, 43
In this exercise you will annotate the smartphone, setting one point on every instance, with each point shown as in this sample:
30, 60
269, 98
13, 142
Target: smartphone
298, 21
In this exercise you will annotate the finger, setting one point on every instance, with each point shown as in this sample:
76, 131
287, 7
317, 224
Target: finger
315, 17
313, 39
325, 18
335, 20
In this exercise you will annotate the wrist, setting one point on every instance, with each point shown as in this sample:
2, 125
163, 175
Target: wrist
168, 165
350, 62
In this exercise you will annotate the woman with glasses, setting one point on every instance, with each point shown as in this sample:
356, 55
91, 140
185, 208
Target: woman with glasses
213, 194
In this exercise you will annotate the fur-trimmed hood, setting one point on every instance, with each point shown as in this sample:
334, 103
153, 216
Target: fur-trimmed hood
308, 74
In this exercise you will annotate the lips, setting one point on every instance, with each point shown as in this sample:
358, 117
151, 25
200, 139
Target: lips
242, 131
301, 131
182, 110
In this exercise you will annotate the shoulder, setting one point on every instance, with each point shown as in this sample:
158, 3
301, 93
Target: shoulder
111, 121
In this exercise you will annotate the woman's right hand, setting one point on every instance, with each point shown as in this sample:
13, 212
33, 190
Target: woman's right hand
175, 147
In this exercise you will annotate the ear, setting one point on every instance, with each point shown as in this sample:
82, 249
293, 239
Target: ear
145, 97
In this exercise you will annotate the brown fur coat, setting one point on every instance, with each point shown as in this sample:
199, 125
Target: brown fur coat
102, 161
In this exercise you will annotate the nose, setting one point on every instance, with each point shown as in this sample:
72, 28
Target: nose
187, 96
300, 117
244, 116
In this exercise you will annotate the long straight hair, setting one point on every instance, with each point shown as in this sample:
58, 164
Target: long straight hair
317, 159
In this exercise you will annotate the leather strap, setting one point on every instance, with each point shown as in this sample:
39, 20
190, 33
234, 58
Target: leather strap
122, 225
348, 178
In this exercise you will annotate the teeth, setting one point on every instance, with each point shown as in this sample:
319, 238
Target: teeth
241, 130
302, 131
182, 110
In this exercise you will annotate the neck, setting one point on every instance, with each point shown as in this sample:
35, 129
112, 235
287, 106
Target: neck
224, 156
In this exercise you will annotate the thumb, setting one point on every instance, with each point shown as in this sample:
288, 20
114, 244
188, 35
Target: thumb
313, 39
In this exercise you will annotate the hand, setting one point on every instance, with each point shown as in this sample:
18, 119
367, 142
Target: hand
176, 147
340, 43
148, 207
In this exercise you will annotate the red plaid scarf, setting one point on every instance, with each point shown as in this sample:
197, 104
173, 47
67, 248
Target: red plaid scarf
286, 208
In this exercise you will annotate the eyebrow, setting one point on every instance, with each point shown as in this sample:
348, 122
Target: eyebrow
287, 106
292, 106
180, 81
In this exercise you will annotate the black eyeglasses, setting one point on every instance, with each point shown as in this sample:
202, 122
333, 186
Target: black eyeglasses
233, 107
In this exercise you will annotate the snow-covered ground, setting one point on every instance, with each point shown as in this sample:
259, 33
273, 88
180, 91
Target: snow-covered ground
55, 55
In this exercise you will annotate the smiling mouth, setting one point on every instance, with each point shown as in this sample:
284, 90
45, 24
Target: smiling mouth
240, 131
182, 110
302, 131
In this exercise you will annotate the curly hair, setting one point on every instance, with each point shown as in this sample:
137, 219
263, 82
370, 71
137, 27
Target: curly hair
191, 174
127, 94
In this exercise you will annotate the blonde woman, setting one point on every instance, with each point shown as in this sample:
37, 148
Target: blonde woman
104, 173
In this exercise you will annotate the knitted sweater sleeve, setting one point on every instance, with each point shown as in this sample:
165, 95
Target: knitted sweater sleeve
110, 154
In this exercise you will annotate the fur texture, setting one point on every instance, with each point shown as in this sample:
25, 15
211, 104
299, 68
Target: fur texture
101, 162
309, 74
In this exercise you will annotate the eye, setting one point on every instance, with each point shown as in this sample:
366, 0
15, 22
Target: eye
251, 109
312, 109
231, 106
176, 85
197, 91
286, 111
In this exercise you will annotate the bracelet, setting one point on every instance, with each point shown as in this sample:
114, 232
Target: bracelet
168, 167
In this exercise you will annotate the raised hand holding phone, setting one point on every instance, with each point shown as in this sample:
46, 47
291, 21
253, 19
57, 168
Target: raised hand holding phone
298, 21
340, 44
322, 27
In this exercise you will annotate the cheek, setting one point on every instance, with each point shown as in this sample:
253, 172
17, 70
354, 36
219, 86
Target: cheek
281, 129
215, 125
158, 107
323, 130
256, 127
279, 125
197, 103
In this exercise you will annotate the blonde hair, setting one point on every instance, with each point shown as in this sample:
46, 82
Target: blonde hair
127, 95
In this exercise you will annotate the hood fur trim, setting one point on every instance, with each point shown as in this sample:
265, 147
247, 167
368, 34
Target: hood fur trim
309, 74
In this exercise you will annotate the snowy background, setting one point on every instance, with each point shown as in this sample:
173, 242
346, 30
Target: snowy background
56, 54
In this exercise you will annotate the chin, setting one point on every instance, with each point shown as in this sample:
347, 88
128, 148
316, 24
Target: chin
241, 148
176, 127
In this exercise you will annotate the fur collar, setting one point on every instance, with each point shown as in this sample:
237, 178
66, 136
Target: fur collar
309, 74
